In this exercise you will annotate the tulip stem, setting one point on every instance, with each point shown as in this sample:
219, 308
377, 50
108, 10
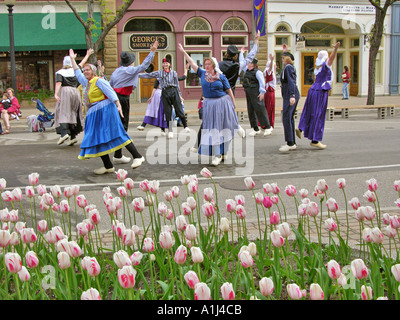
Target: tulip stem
17, 286
68, 286
258, 215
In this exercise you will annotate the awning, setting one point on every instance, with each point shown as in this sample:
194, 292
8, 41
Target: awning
29, 35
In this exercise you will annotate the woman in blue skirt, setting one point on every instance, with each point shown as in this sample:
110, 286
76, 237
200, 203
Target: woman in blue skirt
220, 122
104, 132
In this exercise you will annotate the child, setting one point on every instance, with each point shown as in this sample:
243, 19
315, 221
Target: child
6, 101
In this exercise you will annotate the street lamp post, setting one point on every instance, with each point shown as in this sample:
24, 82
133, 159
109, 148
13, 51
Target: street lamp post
10, 4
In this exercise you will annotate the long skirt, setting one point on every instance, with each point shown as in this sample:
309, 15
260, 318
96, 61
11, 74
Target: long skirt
220, 124
312, 120
104, 132
269, 103
155, 112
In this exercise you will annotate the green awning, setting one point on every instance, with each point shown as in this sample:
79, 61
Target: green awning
29, 35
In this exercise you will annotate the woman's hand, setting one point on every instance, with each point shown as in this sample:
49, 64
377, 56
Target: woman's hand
57, 98
72, 54
261, 97
119, 108
292, 101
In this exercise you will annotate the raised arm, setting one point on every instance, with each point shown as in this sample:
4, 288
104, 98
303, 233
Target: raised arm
333, 54
72, 55
193, 64
89, 52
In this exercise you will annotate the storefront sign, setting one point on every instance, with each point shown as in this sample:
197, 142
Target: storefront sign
144, 41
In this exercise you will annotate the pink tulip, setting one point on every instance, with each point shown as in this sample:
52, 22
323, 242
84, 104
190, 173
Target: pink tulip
19, 226
92, 267
13, 216
366, 292
227, 291
275, 188
191, 279
91, 294
396, 185
303, 193
162, 208
322, 185
128, 184
369, 213
294, 291
341, 183
302, 209
369, 196
121, 259
332, 205
249, 182
290, 190
208, 209
318, 193
355, 203
359, 269
180, 255
148, 245
64, 261
267, 188
74, 250
13, 262
274, 199
342, 280
334, 270
230, 205
55, 191
166, 240
267, 202
390, 232
75, 189
316, 292
24, 275
7, 196
28, 235
64, 206
181, 223
285, 230
3, 184
377, 235
81, 201
119, 228
55, 207
5, 215
175, 191
197, 255
277, 239
240, 200
206, 173
395, 222
121, 174
94, 216
169, 215
33, 178
168, 195
190, 232
372, 184
5, 238
240, 211
259, 197
193, 186
246, 260
128, 238
386, 218
126, 277
136, 257
82, 229
396, 272
266, 286
360, 214
224, 226
331, 225
29, 191
185, 180
274, 218
187, 210
312, 209
17, 194
138, 204
31, 259
366, 235
41, 189
202, 291
191, 202
208, 194
144, 185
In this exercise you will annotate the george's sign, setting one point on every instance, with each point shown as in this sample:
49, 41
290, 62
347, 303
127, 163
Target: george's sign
143, 41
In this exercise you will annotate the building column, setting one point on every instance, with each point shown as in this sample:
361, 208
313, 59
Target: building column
110, 45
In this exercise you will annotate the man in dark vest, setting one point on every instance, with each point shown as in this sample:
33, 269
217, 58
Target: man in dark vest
230, 65
254, 87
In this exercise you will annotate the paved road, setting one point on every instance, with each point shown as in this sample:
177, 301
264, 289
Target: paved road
359, 148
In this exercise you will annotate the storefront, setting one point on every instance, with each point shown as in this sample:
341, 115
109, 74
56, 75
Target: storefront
203, 30
309, 29
42, 37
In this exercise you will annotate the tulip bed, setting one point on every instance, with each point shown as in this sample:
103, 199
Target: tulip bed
164, 248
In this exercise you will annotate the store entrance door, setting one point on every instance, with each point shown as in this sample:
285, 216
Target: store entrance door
147, 85
307, 74
354, 69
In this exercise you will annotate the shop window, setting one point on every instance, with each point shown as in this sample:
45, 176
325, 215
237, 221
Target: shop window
355, 43
342, 43
234, 24
279, 41
147, 25
321, 28
197, 41
282, 28
192, 79
197, 24
239, 41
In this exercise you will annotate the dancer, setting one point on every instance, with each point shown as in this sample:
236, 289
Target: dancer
254, 87
312, 120
270, 87
170, 93
104, 132
124, 80
155, 111
68, 110
290, 96
220, 122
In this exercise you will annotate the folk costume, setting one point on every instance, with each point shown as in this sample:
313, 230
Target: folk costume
269, 96
68, 118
